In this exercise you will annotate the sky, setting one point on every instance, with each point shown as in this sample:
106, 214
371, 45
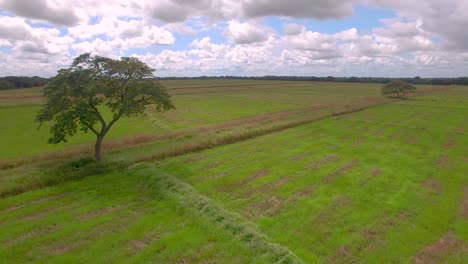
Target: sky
378, 38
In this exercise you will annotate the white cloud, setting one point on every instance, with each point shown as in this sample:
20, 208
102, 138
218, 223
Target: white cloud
56, 12
428, 36
293, 29
247, 32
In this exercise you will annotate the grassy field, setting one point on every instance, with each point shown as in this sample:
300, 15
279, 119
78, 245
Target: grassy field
198, 103
384, 183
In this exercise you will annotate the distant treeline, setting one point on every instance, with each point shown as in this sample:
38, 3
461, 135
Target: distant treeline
14, 82
415, 80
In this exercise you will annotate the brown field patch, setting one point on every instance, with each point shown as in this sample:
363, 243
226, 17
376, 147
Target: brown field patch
138, 245
269, 207
371, 237
275, 205
449, 144
214, 176
324, 160
100, 212
270, 186
342, 255
64, 248
375, 171
305, 192
299, 157
38, 215
447, 245
33, 233
443, 162
244, 181
433, 185
211, 165
340, 171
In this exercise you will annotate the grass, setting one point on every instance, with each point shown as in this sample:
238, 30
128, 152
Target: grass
374, 185
367, 186
195, 107
94, 221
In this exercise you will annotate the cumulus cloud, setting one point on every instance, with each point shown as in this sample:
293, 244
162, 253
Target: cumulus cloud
27, 40
426, 36
293, 29
447, 19
247, 32
55, 12
319, 9
181, 10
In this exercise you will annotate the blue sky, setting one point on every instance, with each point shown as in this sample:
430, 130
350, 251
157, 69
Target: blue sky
241, 37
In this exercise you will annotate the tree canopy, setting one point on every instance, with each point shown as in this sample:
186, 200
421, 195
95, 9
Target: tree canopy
77, 96
398, 88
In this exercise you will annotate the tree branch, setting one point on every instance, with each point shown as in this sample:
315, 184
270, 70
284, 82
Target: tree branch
90, 127
116, 118
96, 111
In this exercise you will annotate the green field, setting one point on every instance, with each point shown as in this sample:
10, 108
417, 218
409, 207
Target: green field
207, 103
246, 172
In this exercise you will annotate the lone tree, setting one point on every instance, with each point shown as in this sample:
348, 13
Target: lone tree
78, 96
398, 88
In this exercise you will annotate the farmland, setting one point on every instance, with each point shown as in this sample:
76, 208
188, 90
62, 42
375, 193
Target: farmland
244, 172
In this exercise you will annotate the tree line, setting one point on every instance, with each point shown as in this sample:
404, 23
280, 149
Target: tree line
14, 82
383, 80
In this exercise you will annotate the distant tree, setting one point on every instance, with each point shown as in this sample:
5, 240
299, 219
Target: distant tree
5, 84
78, 96
398, 88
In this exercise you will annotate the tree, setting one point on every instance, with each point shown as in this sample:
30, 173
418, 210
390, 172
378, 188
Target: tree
78, 96
398, 88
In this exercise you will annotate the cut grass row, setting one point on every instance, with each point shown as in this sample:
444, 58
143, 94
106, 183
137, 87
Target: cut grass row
93, 221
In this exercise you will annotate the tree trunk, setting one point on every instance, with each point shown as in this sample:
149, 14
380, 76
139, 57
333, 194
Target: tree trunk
97, 148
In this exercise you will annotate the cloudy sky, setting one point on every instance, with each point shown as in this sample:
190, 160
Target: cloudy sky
392, 38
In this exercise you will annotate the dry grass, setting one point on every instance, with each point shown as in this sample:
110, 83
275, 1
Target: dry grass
269, 207
342, 255
100, 212
322, 161
438, 251
240, 184
443, 162
138, 245
433, 185
340, 171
